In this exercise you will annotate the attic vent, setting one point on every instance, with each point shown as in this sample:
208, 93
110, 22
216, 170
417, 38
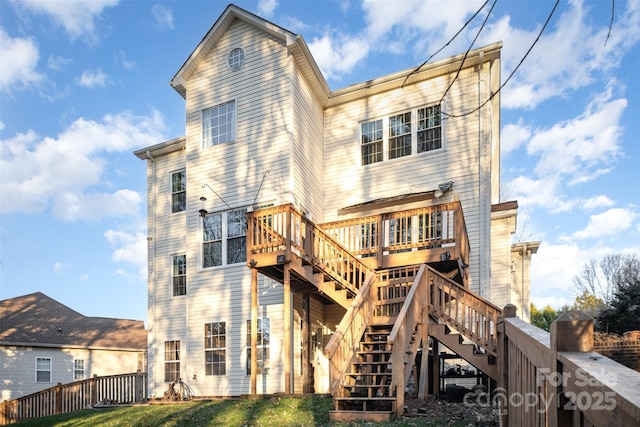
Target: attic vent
236, 58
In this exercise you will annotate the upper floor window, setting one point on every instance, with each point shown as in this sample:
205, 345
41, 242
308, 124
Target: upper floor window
235, 60
171, 361
429, 129
371, 140
215, 348
78, 369
178, 191
399, 135
219, 124
223, 238
179, 275
43, 369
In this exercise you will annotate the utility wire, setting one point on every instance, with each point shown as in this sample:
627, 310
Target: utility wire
449, 42
219, 196
468, 50
512, 72
613, 7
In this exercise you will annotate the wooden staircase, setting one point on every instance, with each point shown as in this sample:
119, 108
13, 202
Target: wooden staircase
389, 316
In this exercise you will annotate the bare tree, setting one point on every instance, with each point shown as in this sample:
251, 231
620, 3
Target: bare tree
603, 278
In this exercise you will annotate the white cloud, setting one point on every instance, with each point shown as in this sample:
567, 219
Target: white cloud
266, 7
576, 147
163, 16
337, 54
597, 202
64, 173
59, 266
91, 79
570, 54
129, 248
56, 62
126, 64
77, 17
609, 223
19, 60
553, 268
513, 136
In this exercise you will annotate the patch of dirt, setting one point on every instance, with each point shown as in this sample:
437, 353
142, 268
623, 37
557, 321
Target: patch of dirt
434, 407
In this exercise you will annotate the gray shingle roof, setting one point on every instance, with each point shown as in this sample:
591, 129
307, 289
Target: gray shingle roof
39, 320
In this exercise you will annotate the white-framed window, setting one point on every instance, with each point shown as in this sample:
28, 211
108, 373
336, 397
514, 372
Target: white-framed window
219, 124
371, 140
171, 361
179, 275
78, 369
215, 348
235, 60
429, 128
402, 134
399, 135
178, 191
43, 369
224, 238
264, 334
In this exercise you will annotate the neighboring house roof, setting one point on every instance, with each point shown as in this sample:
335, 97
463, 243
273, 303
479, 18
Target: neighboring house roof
37, 320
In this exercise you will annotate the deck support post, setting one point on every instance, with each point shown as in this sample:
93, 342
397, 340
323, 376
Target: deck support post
307, 377
423, 388
287, 330
254, 331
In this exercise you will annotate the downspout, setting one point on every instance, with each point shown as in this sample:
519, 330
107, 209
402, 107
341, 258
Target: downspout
485, 251
152, 260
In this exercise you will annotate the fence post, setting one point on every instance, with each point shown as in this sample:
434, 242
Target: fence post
508, 310
572, 331
94, 389
58, 398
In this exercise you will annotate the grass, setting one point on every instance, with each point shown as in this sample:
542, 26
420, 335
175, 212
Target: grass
268, 412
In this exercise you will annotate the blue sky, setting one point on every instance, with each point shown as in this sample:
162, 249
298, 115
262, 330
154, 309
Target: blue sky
84, 84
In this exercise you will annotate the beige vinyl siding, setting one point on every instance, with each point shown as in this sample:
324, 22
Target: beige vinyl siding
261, 92
19, 366
308, 155
347, 182
502, 226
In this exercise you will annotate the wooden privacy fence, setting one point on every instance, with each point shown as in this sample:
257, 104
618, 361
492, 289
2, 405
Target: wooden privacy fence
555, 379
62, 398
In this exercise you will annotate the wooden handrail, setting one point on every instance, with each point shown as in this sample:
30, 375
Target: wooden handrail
473, 316
345, 340
63, 398
284, 229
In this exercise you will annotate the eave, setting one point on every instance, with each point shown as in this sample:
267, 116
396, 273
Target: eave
161, 149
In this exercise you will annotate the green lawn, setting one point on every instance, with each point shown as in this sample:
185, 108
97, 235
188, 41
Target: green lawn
274, 411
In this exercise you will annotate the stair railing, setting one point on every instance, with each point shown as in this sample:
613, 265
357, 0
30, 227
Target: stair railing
345, 341
413, 313
284, 229
469, 314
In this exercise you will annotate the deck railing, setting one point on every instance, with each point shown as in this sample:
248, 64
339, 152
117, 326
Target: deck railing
62, 398
556, 378
438, 226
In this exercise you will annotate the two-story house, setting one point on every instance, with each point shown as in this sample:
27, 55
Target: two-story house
44, 342
287, 206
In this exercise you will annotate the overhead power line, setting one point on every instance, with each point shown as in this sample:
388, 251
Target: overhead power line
468, 50
512, 72
447, 44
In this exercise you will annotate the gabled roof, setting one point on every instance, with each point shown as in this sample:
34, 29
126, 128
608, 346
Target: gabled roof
309, 68
37, 320
293, 41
